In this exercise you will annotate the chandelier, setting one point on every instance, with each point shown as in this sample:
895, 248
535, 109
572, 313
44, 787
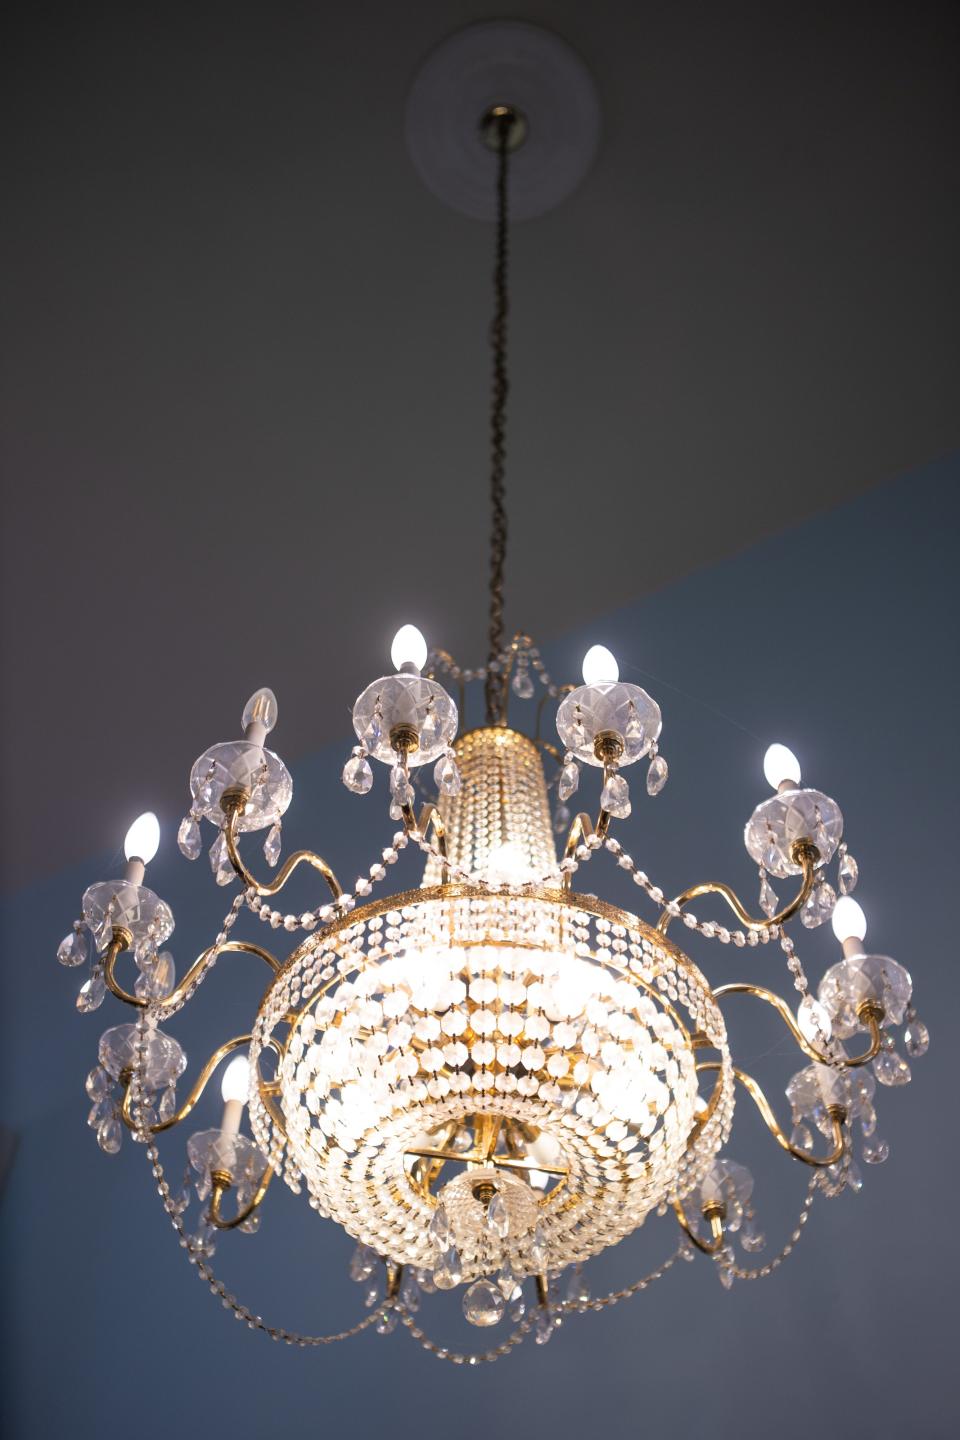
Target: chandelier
488, 1077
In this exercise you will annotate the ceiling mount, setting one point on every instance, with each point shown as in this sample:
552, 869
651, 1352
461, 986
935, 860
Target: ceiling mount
451, 133
498, 118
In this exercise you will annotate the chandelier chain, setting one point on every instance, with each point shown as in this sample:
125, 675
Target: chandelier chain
495, 702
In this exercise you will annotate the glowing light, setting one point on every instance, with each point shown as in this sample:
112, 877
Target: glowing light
408, 648
143, 838
848, 920
781, 764
599, 665
235, 1084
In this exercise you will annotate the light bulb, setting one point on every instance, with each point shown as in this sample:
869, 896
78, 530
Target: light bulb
261, 710
848, 920
143, 838
235, 1084
408, 648
781, 764
599, 665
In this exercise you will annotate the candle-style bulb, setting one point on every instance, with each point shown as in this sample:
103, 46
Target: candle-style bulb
143, 838
599, 666
408, 648
780, 764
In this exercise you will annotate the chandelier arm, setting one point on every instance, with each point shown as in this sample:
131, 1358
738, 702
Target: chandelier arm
179, 993
200, 1084
232, 806
836, 1113
807, 856
430, 819
221, 1184
786, 1014
715, 1217
496, 705
580, 832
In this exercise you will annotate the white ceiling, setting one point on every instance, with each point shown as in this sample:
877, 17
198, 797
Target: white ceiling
245, 377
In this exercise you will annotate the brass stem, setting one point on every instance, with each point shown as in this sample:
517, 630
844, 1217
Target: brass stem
200, 1084
178, 994
806, 856
222, 1182
866, 1012
232, 807
837, 1117
715, 1216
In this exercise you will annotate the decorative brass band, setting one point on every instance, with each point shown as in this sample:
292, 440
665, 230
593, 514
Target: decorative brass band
786, 1014
805, 855
836, 1113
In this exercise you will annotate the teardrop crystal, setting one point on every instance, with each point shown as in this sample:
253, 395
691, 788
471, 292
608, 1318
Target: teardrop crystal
357, 775
875, 1151
363, 1262
569, 780
497, 1218
98, 1083
818, 905
92, 993
439, 1229
891, 1068
271, 846
657, 773
110, 1135
188, 837
848, 873
449, 1272
769, 903
522, 683
615, 797
916, 1039
73, 948
483, 1304
446, 775
220, 861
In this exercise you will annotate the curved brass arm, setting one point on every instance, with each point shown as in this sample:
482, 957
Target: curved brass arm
715, 1215
430, 819
582, 827
787, 1016
232, 805
222, 1182
119, 944
836, 1112
200, 1084
806, 855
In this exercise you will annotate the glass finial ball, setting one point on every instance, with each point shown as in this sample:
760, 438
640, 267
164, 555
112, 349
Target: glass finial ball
261, 709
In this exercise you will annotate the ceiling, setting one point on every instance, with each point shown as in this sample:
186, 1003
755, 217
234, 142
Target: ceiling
245, 377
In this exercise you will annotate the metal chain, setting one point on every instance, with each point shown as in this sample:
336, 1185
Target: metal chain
498, 446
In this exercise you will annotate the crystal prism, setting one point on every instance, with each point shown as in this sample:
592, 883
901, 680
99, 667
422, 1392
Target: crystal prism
537, 1250
188, 837
916, 1039
819, 905
615, 797
271, 846
561, 820
508, 1282
891, 1068
387, 1322
543, 1325
657, 772
220, 861
363, 1262
769, 903
874, 1150
92, 993
73, 948
848, 873
569, 780
449, 1271
497, 1219
157, 982
98, 1083
483, 1304
110, 1135
358, 775
522, 683
578, 1291
446, 776
439, 1229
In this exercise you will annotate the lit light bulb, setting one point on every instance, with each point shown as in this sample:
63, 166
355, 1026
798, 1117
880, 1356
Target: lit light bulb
143, 838
599, 665
781, 764
260, 710
507, 864
408, 648
235, 1084
848, 920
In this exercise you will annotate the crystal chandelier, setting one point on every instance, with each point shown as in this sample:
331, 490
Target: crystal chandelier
490, 1077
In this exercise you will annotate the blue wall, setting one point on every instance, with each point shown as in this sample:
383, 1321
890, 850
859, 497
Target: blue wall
838, 638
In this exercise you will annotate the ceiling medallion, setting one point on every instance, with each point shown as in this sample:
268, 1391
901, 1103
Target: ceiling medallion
489, 1077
